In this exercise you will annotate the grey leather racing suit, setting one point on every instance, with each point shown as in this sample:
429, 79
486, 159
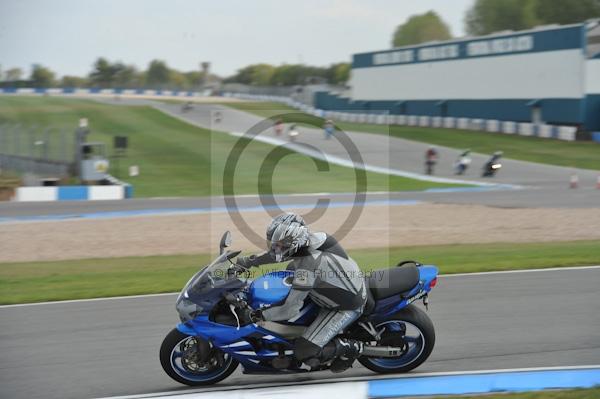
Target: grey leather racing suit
332, 280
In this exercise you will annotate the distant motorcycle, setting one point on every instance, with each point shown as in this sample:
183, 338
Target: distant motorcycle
293, 133
492, 166
462, 163
218, 117
216, 335
186, 107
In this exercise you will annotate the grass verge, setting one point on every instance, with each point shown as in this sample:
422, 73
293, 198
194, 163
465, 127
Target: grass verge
178, 159
584, 155
93, 278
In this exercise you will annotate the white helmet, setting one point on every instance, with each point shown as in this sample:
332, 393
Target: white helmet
285, 235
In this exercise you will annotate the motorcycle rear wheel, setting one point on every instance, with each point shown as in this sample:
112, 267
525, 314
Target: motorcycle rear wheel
177, 359
418, 341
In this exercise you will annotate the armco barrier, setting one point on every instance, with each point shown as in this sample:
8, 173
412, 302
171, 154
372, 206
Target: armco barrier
567, 133
509, 127
73, 193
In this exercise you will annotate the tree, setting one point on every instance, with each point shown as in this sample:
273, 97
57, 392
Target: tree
73, 81
13, 74
288, 75
421, 28
194, 79
262, 74
178, 80
103, 74
125, 76
41, 77
338, 73
158, 74
565, 11
488, 16
255, 75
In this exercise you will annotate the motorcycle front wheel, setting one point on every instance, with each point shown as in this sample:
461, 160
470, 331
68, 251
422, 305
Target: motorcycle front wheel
410, 329
180, 359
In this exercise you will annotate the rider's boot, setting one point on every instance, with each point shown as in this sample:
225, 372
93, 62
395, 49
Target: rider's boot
346, 352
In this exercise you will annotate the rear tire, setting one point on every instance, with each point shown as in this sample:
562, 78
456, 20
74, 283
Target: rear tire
171, 359
410, 315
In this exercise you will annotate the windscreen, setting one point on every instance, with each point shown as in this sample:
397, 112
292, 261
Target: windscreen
211, 279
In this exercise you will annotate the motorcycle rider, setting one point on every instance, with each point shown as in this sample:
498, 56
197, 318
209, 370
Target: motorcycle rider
329, 129
431, 157
325, 273
495, 156
462, 163
293, 132
278, 127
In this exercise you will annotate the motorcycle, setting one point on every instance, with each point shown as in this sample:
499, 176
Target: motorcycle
215, 334
492, 166
462, 163
293, 133
186, 107
490, 169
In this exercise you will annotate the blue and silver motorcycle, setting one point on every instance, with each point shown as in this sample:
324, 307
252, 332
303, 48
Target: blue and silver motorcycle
215, 334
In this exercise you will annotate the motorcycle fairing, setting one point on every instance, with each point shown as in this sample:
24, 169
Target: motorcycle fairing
248, 344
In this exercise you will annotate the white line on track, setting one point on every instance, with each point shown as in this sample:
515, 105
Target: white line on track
548, 269
341, 161
110, 298
346, 379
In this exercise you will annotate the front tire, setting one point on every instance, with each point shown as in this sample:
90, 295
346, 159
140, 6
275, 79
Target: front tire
178, 359
418, 341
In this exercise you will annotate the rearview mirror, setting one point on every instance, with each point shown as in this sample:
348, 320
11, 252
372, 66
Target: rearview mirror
225, 242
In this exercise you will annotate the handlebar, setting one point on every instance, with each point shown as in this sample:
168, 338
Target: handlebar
235, 301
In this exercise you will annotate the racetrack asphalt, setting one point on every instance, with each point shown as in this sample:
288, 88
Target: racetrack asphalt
483, 321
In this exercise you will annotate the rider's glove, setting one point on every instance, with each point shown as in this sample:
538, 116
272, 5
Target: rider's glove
256, 315
237, 269
245, 261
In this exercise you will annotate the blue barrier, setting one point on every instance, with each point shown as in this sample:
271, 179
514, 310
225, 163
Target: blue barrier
128, 191
72, 193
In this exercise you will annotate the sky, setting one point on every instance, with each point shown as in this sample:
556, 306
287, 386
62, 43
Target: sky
69, 35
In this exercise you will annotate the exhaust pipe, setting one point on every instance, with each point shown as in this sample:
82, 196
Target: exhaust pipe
381, 351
